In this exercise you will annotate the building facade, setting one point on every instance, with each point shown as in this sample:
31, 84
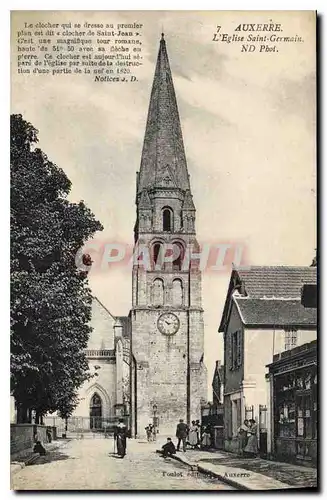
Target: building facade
107, 394
168, 374
263, 316
293, 393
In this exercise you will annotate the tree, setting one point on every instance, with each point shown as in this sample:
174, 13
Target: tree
50, 297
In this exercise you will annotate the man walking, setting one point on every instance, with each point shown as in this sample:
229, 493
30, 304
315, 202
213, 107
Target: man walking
181, 434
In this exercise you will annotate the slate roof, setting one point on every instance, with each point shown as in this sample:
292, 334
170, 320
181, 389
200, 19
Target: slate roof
275, 312
277, 281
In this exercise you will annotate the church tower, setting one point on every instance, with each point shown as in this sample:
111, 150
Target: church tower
169, 377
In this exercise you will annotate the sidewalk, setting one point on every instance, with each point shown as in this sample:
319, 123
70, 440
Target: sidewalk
27, 457
249, 474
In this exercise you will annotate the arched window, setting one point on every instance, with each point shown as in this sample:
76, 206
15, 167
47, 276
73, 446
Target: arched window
157, 292
178, 297
95, 412
167, 219
179, 253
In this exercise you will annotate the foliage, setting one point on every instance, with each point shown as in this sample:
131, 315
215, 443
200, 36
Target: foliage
50, 298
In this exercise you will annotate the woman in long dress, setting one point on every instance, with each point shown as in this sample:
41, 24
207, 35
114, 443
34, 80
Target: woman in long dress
206, 439
120, 436
193, 435
251, 449
243, 433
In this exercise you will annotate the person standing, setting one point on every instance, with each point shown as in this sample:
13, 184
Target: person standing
120, 436
251, 448
206, 438
197, 423
148, 431
243, 435
181, 434
193, 435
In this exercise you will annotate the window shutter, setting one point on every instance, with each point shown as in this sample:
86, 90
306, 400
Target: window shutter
230, 352
238, 348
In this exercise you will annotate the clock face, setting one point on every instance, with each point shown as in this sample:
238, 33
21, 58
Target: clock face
168, 324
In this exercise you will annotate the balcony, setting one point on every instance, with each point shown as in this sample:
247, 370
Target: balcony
100, 353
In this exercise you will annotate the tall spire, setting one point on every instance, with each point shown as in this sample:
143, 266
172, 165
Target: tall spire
163, 162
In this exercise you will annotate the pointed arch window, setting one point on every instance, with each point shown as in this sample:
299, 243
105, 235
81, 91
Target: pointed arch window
178, 250
178, 293
95, 412
167, 219
157, 292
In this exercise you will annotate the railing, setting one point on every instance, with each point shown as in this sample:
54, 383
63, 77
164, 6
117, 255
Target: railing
249, 412
81, 425
99, 353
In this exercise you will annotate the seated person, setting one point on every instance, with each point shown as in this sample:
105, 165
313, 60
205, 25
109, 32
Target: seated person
38, 448
168, 449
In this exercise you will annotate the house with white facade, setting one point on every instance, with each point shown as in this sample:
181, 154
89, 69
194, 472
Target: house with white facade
263, 316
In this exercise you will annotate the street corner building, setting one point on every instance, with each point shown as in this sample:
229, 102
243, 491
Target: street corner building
269, 311
167, 316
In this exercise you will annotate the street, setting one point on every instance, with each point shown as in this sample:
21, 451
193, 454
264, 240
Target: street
89, 464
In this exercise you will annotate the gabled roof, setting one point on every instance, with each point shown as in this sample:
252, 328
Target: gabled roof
145, 202
125, 320
278, 282
219, 371
103, 307
188, 201
275, 312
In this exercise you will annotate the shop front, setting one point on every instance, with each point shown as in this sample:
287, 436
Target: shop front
293, 376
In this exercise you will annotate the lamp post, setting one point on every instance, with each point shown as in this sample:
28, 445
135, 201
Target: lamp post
155, 420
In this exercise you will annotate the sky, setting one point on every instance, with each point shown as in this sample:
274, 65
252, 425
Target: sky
248, 122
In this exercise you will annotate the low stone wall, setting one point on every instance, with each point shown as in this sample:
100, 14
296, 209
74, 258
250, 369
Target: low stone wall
22, 436
232, 445
286, 451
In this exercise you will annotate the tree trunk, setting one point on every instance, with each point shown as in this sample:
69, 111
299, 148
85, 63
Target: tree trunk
22, 417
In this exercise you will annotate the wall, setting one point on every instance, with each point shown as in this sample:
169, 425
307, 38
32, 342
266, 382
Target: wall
260, 346
233, 378
22, 436
102, 322
104, 384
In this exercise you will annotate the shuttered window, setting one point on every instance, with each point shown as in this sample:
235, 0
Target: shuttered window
236, 350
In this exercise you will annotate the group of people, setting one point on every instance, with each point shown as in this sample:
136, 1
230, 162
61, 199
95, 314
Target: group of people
195, 436
248, 438
151, 432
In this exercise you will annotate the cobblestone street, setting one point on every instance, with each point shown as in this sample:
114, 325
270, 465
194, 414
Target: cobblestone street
90, 464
